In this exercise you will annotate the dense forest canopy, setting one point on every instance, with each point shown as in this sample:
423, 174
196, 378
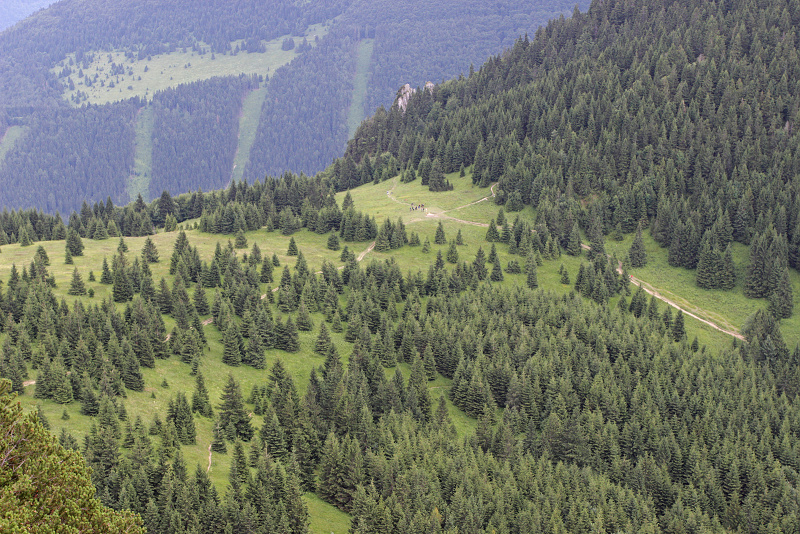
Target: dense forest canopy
677, 116
593, 411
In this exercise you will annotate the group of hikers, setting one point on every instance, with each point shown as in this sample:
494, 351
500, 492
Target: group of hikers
419, 207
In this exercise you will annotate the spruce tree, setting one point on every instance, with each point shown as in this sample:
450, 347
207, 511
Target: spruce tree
76, 286
231, 340
531, 278
240, 240
781, 300
149, 251
637, 257
74, 243
497, 271
218, 439
574, 241
678, 329
200, 400
105, 276
492, 234
452, 253
479, 264
122, 289
323, 342
292, 250
728, 275
333, 241
440, 238
232, 411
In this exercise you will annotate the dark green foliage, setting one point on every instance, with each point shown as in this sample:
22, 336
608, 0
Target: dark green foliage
781, 300
149, 251
74, 244
678, 329
241, 240
452, 253
333, 241
440, 238
200, 400
292, 251
497, 271
233, 343
232, 413
637, 257
106, 276
76, 286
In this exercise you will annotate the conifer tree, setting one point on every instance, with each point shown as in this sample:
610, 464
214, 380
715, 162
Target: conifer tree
333, 241
781, 300
440, 238
452, 253
241, 240
199, 300
678, 329
292, 251
105, 276
200, 400
531, 278
479, 264
637, 257
149, 251
323, 340
232, 341
218, 439
74, 243
76, 286
497, 271
574, 241
232, 412
492, 234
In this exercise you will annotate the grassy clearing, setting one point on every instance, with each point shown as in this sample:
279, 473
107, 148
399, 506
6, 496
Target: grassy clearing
248, 124
139, 181
143, 78
9, 138
326, 518
726, 308
356, 112
374, 200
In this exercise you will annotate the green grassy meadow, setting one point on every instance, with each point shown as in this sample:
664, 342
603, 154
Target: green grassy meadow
143, 78
9, 138
467, 208
248, 124
139, 181
356, 112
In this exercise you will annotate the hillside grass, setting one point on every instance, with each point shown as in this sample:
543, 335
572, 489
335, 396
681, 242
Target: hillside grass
139, 180
143, 78
248, 125
466, 202
356, 112
9, 138
729, 309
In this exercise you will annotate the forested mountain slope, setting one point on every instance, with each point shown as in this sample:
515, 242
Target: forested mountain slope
567, 402
302, 123
680, 116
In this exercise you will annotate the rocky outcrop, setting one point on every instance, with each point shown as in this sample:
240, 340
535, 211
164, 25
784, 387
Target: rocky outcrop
405, 92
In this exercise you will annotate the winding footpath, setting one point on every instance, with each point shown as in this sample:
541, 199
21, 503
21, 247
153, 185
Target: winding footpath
650, 290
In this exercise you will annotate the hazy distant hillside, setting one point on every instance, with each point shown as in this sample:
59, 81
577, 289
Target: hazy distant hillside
314, 70
13, 11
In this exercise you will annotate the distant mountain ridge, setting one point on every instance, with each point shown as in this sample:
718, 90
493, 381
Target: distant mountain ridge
13, 11
300, 127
